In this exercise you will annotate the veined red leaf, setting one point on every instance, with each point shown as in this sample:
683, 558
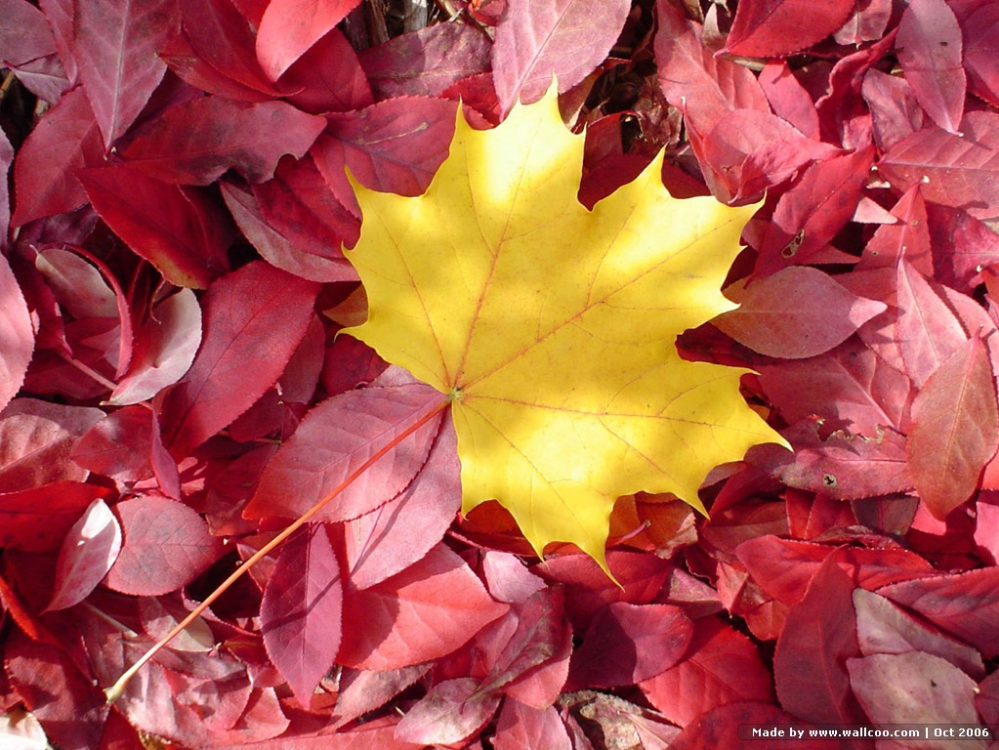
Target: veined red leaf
390, 538
721, 666
36, 440
66, 139
289, 27
774, 28
955, 429
254, 319
300, 615
951, 170
393, 146
968, 246
924, 689
426, 611
165, 346
167, 545
279, 250
248, 137
37, 519
795, 313
522, 727
177, 229
908, 238
691, 77
789, 99
979, 25
820, 634
427, 61
116, 44
118, 446
536, 639
362, 691
541, 38
628, 643
930, 52
450, 712
334, 439
883, 628
17, 339
88, 551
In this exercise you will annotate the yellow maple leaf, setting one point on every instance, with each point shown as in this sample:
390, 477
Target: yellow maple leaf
552, 328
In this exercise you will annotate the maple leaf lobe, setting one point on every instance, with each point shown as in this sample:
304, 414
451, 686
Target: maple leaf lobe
556, 325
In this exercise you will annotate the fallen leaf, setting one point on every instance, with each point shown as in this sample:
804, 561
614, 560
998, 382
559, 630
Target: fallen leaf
289, 27
773, 28
450, 712
88, 551
521, 727
543, 424
17, 339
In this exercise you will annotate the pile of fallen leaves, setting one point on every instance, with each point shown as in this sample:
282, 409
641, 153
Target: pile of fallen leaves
264, 257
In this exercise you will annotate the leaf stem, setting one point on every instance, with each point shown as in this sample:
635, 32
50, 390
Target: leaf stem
115, 692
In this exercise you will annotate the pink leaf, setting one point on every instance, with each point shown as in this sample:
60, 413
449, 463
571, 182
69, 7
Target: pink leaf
979, 26
930, 51
522, 727
426, 611
333, 441
452, 711
729, 727
393, 146
537, 39
177, 229
951, 170
248, 137
254, 319
301, 609
955, 429
37, 519
795, 313
116, 44
819, 635
119, 445
908, 238
773, 28
167, 545
290, 27
924, 689
628, 643
17, 340
44, 171
89, 550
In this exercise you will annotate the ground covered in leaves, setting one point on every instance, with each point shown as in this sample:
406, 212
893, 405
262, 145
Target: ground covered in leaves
173, 221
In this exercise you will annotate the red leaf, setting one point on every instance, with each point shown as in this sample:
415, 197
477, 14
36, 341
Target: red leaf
392, 537
729, 727
427, 61
541, 38
628, 643
796, 313
334, 439
955, 429
36, 439
452, 711
819, 636
428, 610
66, 139
895, 113
883, 628
979, 25
850, 387
789, 98
908, 238
691, 77
37, 519
722, 666
930, 51
967, 247
277, 249
300, 611
867, 23
536, 640
951, 170
290, 27
167, 545
17, 340
394, 146
116, 44
89, 550
25, 35
328, 78
362, 691
521, 727
254, 319
165, 346
119, 445
773, 28
177, 229
924, 689
248, 137
965, 605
